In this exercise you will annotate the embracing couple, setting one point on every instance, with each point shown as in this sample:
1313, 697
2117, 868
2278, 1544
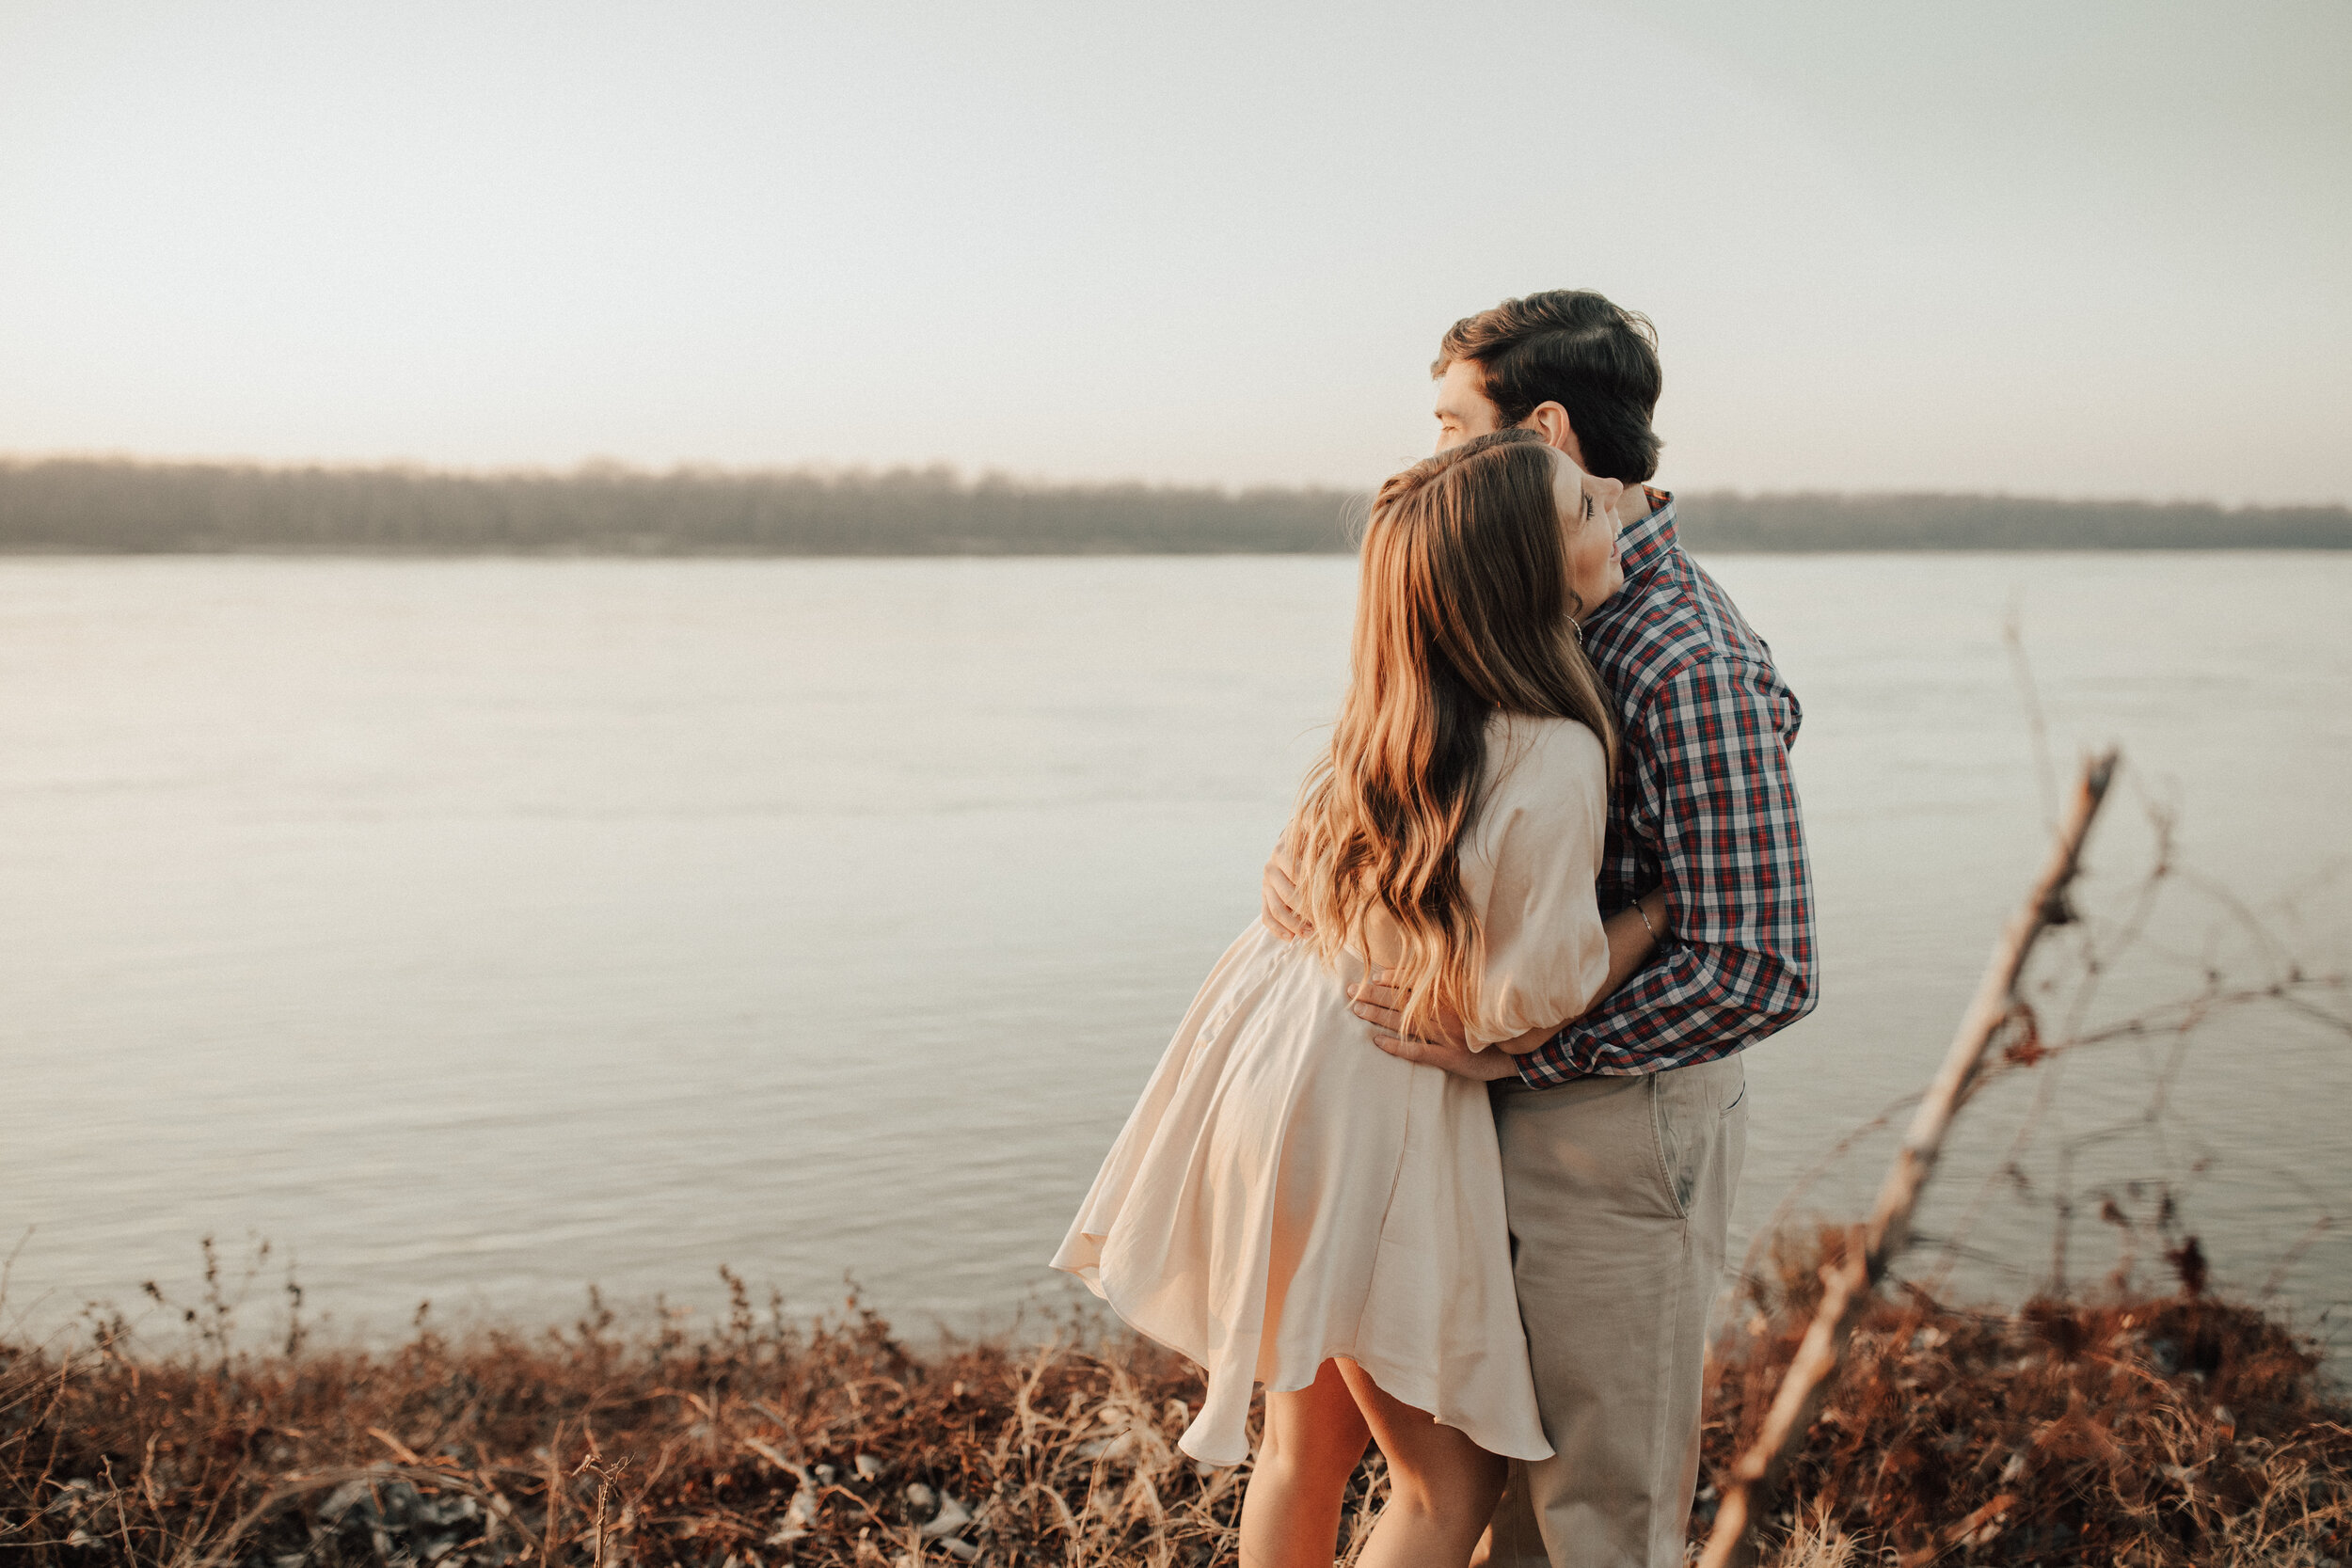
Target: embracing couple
1553, 858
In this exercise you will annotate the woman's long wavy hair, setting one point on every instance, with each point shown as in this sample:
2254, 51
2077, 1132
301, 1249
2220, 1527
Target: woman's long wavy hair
1462, 612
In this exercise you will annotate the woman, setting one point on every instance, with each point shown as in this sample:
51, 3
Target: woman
1291, 1206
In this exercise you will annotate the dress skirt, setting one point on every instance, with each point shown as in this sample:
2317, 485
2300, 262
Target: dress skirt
1286, 1191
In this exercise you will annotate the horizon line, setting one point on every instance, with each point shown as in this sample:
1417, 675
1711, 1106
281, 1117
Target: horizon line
964, 479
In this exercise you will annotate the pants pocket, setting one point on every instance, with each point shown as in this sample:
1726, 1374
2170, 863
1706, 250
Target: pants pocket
1675, 1143
1690, 1109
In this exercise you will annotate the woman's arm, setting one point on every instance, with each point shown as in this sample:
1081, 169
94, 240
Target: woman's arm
1632, 938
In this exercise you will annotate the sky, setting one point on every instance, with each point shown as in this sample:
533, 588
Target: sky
2093, 248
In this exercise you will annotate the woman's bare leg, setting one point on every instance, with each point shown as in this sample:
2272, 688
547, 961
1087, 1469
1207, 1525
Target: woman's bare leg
1442, 1487
1290, 1516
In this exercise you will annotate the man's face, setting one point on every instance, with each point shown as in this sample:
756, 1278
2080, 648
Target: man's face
1464, 410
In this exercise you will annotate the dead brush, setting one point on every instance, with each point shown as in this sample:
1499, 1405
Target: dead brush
2150, 1429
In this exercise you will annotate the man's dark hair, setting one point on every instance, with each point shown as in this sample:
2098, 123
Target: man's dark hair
1572, 347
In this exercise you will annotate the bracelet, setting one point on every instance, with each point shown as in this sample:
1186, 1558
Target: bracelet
1646, 925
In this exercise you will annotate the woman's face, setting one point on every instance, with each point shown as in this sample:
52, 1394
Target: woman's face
1588, 526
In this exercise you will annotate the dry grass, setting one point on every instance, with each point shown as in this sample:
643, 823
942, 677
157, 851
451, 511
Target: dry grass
2152, 1430
759, 1442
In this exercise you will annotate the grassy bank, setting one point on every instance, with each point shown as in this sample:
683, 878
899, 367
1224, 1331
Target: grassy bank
2150, 1429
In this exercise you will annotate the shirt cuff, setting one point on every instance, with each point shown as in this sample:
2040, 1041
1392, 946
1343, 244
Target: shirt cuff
1553, 1065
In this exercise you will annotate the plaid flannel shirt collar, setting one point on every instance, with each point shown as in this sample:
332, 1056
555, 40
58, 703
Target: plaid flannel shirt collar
1643, 546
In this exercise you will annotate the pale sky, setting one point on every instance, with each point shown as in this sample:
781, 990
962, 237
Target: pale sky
2053, 247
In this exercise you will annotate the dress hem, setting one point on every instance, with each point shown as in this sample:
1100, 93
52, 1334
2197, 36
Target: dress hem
1388, 1377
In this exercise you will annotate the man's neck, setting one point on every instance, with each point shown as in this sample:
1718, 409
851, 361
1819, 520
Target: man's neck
1642, 538
1633, 506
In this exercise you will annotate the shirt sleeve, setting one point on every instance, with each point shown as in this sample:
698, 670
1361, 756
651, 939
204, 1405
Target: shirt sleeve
1707, 771
1546, 952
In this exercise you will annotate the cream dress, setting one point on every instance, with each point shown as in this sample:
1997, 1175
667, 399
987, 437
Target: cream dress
1286, 1191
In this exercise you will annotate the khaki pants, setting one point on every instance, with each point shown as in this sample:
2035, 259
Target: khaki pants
1619, 1191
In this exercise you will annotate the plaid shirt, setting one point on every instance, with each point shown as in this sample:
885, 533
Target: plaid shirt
1704, 804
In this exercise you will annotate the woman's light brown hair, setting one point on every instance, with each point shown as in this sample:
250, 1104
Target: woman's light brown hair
1461, 613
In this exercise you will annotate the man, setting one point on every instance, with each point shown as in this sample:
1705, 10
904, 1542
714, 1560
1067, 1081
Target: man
1623, 1134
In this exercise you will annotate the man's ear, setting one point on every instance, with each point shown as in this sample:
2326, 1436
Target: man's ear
1550, 420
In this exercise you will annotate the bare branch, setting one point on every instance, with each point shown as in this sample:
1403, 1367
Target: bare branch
1851, 1281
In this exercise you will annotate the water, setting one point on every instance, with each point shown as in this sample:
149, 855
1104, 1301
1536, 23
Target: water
476, 930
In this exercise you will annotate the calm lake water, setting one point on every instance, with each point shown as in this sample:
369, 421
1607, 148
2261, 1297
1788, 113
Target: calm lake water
477, 930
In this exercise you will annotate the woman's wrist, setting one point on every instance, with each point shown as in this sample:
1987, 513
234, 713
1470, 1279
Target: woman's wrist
1640, 908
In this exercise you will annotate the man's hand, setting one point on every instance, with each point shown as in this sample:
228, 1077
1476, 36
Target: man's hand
1279, 893
1483, 1066
1381, 1005
1440, 1043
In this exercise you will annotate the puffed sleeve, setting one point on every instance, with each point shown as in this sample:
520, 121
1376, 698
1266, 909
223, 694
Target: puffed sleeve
1537, 849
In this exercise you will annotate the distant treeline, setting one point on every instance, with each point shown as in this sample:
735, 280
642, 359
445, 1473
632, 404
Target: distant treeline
1729, 521
117, 506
